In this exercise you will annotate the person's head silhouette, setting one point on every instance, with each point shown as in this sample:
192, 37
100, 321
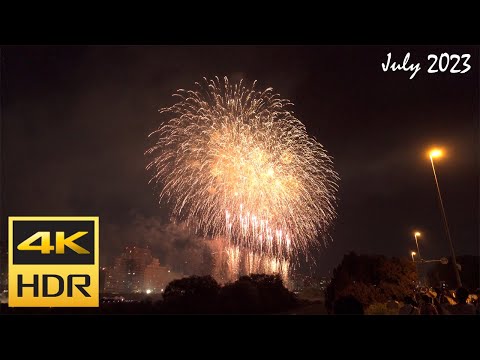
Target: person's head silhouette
408, 300
461, 295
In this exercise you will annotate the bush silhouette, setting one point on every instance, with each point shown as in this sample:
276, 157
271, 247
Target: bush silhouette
254, 294
240, 297
262, 293
194, 294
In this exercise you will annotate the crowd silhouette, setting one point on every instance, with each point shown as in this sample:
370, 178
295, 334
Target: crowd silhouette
442, 302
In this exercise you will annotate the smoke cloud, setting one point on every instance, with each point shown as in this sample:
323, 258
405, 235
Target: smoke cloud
174, 245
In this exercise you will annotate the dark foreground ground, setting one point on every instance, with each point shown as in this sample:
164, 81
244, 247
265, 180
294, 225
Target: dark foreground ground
305, 307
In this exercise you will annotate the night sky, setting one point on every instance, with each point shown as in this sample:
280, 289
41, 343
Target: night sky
76, 121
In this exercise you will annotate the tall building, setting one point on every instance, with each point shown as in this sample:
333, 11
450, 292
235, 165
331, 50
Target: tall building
156, 277
137, 271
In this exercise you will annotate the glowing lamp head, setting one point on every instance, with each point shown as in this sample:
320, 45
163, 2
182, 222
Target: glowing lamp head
435, 153
417, 233
414, 253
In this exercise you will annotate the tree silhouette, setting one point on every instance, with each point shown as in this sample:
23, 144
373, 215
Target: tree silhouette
273, 295
371, 278
254, 294
194, 294
240, 297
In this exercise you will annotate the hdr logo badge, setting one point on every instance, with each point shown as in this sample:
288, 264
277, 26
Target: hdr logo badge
53, 262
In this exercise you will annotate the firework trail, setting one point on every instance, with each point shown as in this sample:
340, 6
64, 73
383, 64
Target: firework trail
236, 164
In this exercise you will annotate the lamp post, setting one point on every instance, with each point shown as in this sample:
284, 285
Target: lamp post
416, 267
417, 235
436, 153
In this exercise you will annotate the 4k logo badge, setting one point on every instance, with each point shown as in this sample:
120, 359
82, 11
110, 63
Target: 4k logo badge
53, 262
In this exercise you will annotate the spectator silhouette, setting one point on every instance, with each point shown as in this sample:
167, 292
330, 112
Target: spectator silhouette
347, 305
410, 307
442, 297
461, 307
427, 307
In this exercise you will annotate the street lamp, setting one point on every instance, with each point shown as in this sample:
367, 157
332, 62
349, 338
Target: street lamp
436, 153
417, 235
416, 267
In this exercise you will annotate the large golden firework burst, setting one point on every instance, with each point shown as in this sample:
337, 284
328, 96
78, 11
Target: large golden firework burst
235, 163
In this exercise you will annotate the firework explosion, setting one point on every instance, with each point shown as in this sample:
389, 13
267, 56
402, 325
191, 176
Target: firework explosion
236, 164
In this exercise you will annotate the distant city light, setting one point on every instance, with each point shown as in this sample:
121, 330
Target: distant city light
149, 291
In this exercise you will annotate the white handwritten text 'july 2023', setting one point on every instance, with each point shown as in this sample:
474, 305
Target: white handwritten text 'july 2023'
443, 63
